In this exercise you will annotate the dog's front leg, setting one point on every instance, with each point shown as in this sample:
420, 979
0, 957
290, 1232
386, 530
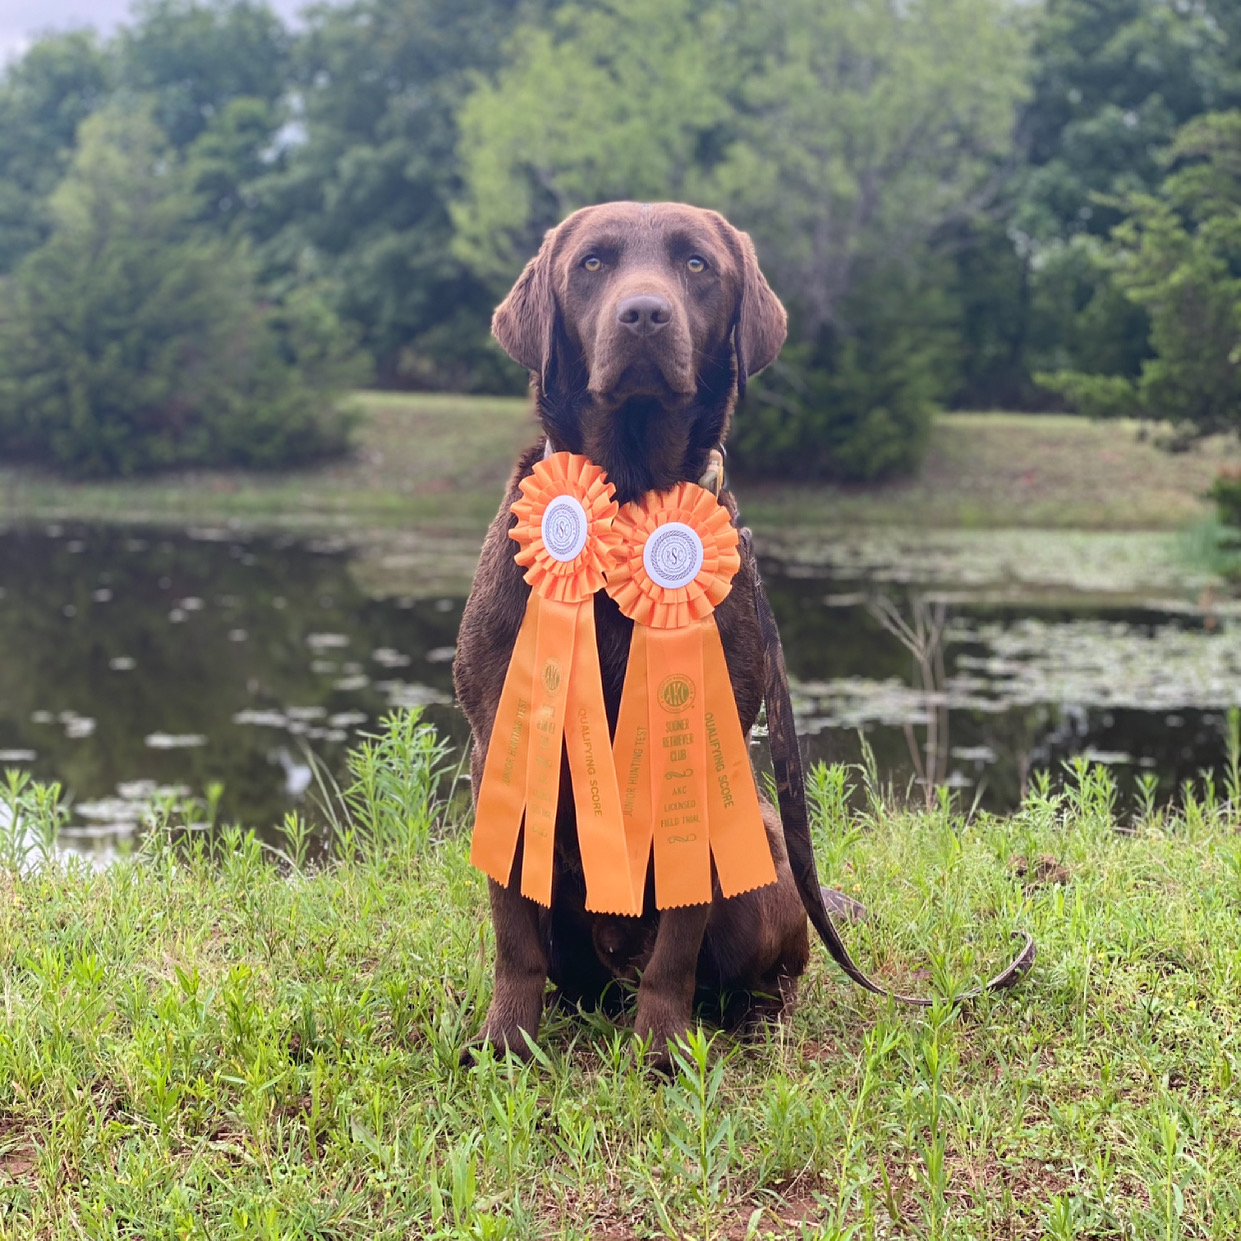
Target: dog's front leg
666, 992
521, 970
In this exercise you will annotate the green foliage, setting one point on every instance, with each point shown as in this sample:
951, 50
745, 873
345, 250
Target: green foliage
607, 101
225, 161
701, 1134
31, 816
988, 278
399, 160
1177, 255
363, 201
1079, 316
395, 784
849, 163
132, 340
844, 168
1226, 492
856, 403
44, 97
1114, 80
196, 57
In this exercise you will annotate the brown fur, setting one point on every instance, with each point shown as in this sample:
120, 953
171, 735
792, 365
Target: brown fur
647, 403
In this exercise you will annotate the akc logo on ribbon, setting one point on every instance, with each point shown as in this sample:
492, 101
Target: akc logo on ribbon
553, 693
687, 787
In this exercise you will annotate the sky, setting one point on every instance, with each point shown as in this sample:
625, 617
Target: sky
19, 19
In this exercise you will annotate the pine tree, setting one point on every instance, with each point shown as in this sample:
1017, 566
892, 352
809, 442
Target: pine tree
134, 339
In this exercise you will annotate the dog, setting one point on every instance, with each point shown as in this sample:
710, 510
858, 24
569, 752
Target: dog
640, 325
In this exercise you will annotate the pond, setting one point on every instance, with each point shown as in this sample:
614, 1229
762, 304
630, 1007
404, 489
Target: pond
138, 662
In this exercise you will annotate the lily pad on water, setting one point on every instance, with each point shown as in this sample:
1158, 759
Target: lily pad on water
326, 641
305, 713
1087, 663
173, 741
389, 658
407, 694
264, 719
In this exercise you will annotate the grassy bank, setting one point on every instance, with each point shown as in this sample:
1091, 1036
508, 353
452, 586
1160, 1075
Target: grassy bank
1000, 470
439, 463
223, 1044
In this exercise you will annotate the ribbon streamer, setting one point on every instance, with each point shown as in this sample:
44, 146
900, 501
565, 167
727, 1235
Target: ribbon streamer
552, 699
687, 788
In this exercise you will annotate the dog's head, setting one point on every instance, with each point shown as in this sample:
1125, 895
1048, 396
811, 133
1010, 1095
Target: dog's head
641, 324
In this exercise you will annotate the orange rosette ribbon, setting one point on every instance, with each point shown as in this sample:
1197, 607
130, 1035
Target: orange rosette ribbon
553, 694
687, 787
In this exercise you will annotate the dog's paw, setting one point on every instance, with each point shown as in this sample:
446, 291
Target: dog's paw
513, 1041
657, 1033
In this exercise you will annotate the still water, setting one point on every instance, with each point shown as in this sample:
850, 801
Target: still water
135, 661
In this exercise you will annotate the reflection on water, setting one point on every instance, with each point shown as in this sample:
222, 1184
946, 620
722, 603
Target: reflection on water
140, 665
1026, 687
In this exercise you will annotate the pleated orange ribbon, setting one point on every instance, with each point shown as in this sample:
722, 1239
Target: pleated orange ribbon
687, 786
553, 692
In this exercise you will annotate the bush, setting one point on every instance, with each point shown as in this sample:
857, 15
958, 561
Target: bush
840, 420
1226, 492
134, 339
1080, 318
1095, 396
857, 403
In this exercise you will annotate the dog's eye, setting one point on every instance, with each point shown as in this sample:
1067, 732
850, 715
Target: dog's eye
696, 263
592, 262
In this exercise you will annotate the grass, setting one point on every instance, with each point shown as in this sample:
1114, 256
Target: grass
430, 460
210, 1040
439, 463
1000, 470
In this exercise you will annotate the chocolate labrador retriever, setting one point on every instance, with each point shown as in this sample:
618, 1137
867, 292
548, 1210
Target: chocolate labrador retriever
640, 324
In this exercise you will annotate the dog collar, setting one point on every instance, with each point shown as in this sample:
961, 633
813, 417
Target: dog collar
712, 478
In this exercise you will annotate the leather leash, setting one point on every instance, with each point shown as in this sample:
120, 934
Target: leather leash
791, 796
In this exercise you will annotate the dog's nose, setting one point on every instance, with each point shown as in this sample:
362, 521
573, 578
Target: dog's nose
644, 314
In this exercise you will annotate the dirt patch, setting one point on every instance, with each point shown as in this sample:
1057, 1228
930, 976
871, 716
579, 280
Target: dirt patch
17, 1152
1044, 871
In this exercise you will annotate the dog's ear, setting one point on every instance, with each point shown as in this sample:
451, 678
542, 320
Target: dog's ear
759, 323
525, 321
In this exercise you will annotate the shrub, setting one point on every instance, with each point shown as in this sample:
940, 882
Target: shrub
855, 404
1226, 492
134, 339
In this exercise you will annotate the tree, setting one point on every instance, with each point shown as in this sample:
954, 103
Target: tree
195, 57
1113, 81
1177, 255
613, 100
133, 339
215, 74
844, 136
362, 196
869, 131
44, 97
